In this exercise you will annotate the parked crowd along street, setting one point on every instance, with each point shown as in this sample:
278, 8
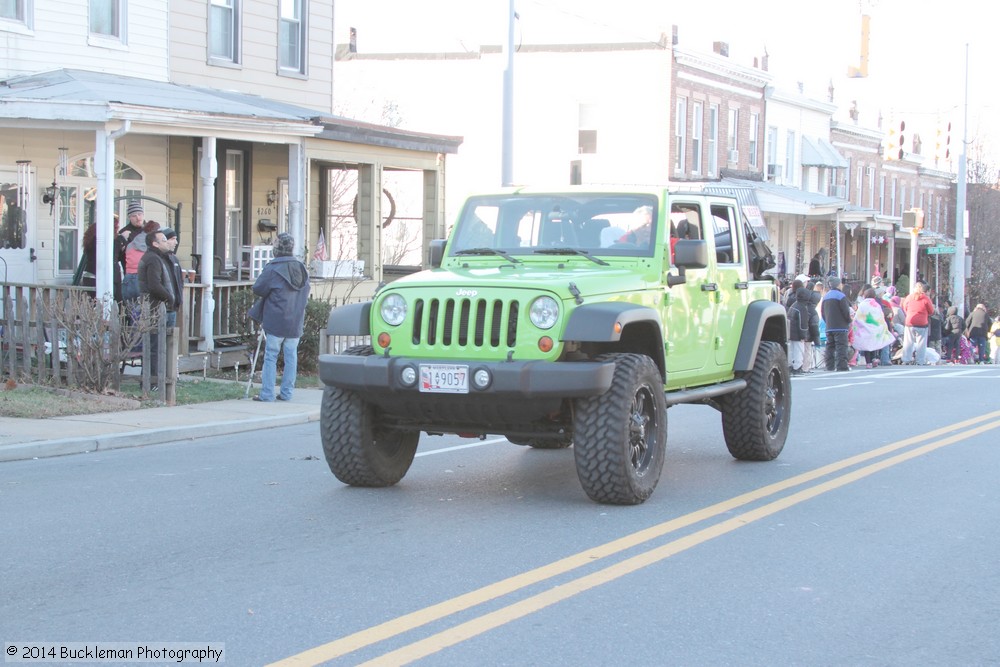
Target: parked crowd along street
883, 325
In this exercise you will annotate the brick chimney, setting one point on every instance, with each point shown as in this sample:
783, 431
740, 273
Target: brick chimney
673, 35
722, 48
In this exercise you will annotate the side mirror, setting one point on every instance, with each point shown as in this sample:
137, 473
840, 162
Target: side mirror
435, 253
688, 254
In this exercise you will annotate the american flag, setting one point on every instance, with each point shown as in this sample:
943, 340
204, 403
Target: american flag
320, 252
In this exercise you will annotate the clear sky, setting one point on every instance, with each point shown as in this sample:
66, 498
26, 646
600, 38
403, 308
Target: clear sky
917, 54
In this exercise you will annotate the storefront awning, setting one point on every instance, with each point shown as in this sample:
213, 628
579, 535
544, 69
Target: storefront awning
817, 152
747, 198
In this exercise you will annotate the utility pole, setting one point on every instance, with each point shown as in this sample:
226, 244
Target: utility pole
507, 150
958, 263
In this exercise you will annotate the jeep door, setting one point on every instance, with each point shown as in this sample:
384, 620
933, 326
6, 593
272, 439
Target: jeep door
690, 312
732, 277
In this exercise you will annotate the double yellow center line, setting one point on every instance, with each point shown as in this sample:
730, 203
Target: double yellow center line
938, 438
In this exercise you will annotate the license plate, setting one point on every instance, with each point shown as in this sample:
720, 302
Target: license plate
444, 379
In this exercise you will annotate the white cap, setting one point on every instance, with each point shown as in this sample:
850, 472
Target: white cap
803, 278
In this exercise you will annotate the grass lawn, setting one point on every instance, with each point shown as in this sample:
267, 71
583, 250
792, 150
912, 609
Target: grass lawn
39, 402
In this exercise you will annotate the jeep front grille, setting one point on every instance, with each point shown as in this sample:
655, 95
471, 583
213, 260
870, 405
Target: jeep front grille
465, 322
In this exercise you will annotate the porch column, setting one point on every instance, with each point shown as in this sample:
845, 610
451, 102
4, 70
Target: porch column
370, 218
434, 222
104, 167
297, 197
104, 161
208, 170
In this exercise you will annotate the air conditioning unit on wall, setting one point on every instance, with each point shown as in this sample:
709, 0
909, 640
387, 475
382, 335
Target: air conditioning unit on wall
734, 156
773, 172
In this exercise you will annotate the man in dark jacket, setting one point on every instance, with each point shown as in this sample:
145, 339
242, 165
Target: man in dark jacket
283, 286
798, 330
837, 315
160, 279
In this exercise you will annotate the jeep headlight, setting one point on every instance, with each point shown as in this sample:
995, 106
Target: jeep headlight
393, 310
544, 312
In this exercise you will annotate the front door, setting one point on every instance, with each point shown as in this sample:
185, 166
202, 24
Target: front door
17, 224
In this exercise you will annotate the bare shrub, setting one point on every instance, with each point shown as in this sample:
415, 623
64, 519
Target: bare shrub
98, 342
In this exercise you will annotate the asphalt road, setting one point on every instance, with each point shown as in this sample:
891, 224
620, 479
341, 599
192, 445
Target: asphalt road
872, 540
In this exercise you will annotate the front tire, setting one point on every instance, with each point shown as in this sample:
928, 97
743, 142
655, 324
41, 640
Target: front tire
755, 419
620, 437
360, 450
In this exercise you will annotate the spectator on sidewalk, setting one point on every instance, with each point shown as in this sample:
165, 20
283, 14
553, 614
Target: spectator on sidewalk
160, 279
951, 331
995, 341
977, 327
837, 315
798, 329
283, 288
869, 329
917, 308
935, 326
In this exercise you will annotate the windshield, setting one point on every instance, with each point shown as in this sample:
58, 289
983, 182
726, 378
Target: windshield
599, 224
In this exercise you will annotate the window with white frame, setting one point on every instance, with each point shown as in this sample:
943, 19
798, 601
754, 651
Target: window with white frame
233, 221
713, 139
892, 197
754, 131
734, 127
77, 205
789, 154
107, 18
224, 26
697, 122
772, 152
860, 183
16, 13
680, 135
882, 197
871, 186
292, 36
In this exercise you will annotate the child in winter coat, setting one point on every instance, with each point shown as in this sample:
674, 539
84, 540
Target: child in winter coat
952, 330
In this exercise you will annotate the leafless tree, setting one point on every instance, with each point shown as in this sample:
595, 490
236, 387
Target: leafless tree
983, 201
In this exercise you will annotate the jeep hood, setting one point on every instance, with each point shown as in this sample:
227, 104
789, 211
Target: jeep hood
589, 280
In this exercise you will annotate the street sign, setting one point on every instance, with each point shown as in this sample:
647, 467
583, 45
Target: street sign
941, 250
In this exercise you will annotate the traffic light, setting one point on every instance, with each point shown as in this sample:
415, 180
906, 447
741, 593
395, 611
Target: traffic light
942, 150
895, 142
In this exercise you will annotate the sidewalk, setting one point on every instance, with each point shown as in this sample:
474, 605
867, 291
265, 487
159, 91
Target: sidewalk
38, 438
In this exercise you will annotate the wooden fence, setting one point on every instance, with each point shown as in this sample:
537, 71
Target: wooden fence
35, 347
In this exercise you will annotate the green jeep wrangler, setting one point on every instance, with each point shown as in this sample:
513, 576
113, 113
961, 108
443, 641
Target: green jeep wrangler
570, 317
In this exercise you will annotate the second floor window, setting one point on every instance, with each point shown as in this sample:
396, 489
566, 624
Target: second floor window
734, 116
789, 154
107, 17
713, 140
680, 135
291, 36
754, 131
16, 11
224, 31
697, 119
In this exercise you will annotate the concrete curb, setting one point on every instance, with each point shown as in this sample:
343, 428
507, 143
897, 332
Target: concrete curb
142, 437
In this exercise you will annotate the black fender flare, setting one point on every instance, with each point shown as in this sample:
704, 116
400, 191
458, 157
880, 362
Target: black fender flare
595, 322
352, 319
765, 320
